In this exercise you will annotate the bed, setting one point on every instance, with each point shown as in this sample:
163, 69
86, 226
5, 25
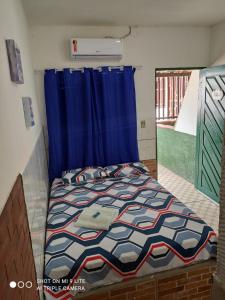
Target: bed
153, 232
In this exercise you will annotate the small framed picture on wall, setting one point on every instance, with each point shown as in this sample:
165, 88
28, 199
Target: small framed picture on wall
15, 64
28, 112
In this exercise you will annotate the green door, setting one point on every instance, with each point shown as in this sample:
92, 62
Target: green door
211, 112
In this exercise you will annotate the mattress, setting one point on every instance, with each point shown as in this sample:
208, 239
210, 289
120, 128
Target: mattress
154, 232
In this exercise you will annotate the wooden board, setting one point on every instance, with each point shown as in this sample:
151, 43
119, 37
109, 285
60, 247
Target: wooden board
151, 164
16, 255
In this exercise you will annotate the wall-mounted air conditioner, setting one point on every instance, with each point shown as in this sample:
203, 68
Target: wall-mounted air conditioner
107, 47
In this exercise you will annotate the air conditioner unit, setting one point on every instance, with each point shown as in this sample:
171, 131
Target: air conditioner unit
106, 47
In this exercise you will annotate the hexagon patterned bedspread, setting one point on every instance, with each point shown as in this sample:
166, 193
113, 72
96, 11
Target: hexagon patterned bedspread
153, 232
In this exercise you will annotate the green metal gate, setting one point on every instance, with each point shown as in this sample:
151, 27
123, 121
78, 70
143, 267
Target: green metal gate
210, 127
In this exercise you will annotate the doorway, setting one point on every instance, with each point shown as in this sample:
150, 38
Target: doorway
176, 125
176, 98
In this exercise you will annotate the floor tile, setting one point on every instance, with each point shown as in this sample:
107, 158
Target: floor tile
186, 192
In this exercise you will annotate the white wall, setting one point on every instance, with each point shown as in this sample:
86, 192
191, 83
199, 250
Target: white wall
16, 142
187, 119
151, 47
217, 44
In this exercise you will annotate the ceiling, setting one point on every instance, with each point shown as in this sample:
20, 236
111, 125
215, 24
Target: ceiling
125, 12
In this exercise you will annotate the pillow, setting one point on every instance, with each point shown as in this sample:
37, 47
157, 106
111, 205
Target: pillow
126, 169
83, 174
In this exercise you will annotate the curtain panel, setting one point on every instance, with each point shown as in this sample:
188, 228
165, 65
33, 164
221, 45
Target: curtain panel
91, 117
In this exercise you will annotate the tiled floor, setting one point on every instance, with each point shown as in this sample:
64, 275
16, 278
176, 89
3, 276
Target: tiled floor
185, 192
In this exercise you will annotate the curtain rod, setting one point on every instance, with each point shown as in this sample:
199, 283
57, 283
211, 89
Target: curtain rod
95, 68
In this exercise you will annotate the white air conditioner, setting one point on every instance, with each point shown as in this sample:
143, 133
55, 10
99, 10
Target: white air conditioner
106, 47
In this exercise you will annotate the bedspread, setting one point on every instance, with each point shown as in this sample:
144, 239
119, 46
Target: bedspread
153, 232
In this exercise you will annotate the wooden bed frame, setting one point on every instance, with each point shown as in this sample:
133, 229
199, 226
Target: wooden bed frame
151, 164
192, 282
16, 255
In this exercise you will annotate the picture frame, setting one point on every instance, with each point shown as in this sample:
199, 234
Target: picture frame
28, 112
15, 63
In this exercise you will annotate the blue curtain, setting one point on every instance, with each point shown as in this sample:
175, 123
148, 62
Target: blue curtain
91, 116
